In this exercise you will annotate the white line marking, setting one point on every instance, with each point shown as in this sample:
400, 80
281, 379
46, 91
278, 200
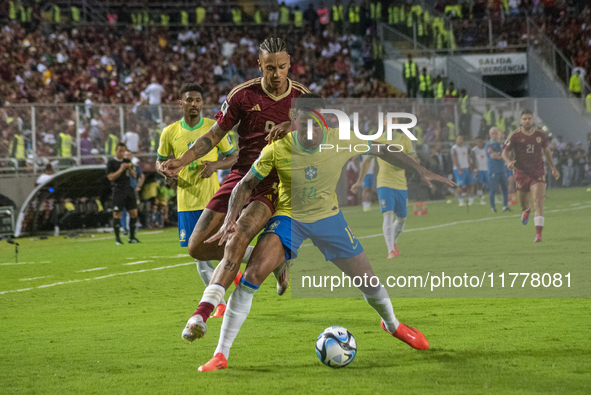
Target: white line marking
152, 233
33, 278
97, 278
463, 222
97, 238
45, 262
14, 263
173, 256
576, 204
92, 270
136, 263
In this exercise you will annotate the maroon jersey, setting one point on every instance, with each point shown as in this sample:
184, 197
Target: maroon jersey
257, 111
529, 152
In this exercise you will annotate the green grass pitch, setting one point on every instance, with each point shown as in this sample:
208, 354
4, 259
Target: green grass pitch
90, 317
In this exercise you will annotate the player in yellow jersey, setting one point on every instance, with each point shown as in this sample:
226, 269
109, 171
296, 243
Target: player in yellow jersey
309, 168
195, 184
392, 191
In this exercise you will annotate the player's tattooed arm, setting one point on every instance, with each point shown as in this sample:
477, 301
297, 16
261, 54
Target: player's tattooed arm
238, 199
210, 167
200, 147
393, 155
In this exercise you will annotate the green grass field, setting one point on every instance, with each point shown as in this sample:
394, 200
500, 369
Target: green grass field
68, 329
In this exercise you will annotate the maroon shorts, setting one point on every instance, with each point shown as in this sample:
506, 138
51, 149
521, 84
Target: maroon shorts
265, 192
524, 181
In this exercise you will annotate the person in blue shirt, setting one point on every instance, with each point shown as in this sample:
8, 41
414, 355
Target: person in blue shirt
496, 169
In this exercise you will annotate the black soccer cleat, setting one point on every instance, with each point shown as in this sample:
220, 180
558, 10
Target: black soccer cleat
133, 241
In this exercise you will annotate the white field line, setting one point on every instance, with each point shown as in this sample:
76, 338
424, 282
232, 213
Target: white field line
464, 222
113, 236
136, 263
305, 245
96, 278
33, 278
13, 263
92, 270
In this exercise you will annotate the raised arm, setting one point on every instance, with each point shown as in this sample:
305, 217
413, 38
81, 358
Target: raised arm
200, 147
116, 174
393, 155
238, 200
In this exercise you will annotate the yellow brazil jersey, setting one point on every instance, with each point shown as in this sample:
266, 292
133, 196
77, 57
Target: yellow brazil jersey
193, 192
391, 176
308, 179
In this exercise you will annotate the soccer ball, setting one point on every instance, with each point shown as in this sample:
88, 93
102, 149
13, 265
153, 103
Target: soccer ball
336, 347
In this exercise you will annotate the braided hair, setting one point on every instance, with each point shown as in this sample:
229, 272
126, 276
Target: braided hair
272, 45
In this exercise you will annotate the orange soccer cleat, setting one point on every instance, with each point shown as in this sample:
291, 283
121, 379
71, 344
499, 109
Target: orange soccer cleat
392, 254
218, 362
219, 311
525, 216
410, 336
238, 277
396, 249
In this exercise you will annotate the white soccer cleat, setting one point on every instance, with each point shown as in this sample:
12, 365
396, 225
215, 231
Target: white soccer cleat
282, 276
482, 203
195, 328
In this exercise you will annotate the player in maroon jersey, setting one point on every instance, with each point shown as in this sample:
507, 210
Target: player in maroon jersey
262, 107
529, 146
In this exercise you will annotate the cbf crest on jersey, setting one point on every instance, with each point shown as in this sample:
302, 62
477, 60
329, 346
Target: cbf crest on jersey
183, 235
538, 140
311, 172
273, 226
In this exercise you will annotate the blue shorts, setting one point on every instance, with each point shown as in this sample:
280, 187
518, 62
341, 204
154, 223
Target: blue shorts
482, 177
393, 200
368, 181
464, 179
509, 173
187, 222
331, 236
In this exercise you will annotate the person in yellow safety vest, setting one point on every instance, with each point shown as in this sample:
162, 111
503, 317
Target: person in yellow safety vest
64, 145
393, 15
402, 13
283, 14
298, 17
488, 115
146, 18
505, 6
438, 89
574, 85
184, 18
451, 92
452, 131
410, 75
136, 19
465, 114
75, 14
25, 14
155, 142
56, 17
16, 148
12, 10
164, 19
111, 145
256, 16
454, 11
425, 86
588, 102
416, 9
200, 14
375, 11
501, 123
337, 16
409, 23
237, 16
354, 17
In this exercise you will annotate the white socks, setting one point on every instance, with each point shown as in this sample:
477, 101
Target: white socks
213, 294
247, 254
236, 313
380, 301
539, 221
388, 229
398, 228
205, 270
366, 205
479, 192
